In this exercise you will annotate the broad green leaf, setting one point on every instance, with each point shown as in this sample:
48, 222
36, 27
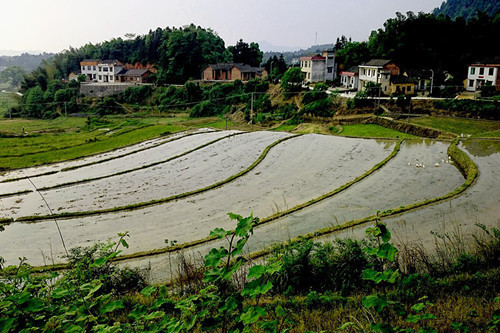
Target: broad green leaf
413, 318
256, 287
154, 315
418, 307
219, 233
387, 251
6, 324
252, 315
459, 327
370, 274
60, 293
230, 305
280, 312
256, 271
385, 234
33, 305
99, 262
215, 256
124, 243
391, 276
375, 301
244, 226
5, 304
112, 306
233, 216
147, 291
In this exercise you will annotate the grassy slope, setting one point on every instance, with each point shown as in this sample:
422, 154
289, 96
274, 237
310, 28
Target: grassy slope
476, 128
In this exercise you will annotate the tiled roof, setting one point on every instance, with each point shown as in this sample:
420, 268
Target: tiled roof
377, 62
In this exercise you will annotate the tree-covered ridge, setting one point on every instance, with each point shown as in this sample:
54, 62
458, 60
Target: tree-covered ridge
424, 41
26, 61
467, 8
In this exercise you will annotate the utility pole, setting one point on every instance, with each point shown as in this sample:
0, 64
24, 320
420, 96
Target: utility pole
251, 108
65, 110
432, 81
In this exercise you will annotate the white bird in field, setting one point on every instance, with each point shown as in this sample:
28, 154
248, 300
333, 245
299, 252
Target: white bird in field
409, 163
423, 166
437, 165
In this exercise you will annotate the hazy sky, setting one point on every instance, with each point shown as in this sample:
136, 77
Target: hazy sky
53, 25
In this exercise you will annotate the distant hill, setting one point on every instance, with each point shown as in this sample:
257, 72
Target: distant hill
26, 61
290, 56
467, 8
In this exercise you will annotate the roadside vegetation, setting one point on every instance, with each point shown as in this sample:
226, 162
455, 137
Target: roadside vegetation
302, 286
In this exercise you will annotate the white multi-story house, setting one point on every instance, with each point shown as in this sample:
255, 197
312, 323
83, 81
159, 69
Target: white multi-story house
100, 70
319, 67
481, 74
89, 68
376, 71
350, 78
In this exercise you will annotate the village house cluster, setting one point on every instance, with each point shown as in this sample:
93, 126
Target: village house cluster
111, 71
384, 75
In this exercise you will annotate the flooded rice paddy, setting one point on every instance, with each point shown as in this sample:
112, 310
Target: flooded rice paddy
293, 172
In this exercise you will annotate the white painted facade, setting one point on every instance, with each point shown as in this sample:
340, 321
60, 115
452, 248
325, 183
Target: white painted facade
90, 71
100, 71
319, 68
479, 75
368, 74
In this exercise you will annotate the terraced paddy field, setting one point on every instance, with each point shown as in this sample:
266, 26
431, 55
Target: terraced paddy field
180, 187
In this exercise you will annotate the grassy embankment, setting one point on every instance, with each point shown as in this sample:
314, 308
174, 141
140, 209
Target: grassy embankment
372, 131
476, 128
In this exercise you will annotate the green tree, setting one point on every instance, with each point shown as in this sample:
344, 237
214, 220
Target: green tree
12, 75
244, 53
292, 80
33, 103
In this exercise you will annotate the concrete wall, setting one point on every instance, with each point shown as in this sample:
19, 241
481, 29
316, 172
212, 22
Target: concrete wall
101, 90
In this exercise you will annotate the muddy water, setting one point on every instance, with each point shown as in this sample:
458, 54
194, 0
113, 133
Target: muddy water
196, 170
294, 172
479, 204
29, 172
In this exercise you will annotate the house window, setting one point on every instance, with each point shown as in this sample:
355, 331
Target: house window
481, 71
490, 72
88, 67
330, 70
471, 83
100, 77
83, 68
100, 69
105, 69
364, 71
472, 70
93, 68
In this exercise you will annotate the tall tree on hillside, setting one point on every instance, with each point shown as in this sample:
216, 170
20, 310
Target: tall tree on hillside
352, 54
187, 52
245, 53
